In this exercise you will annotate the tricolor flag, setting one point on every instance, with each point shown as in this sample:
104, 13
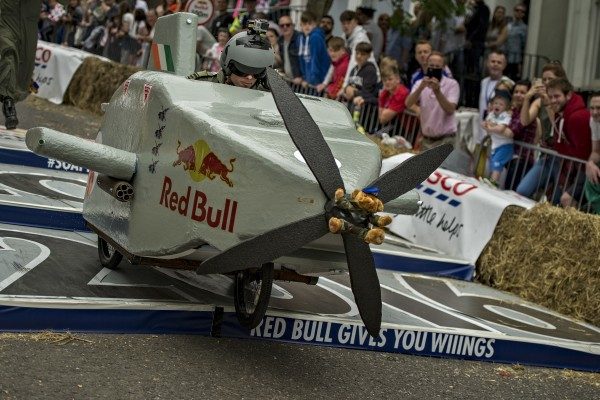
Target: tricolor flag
163, 59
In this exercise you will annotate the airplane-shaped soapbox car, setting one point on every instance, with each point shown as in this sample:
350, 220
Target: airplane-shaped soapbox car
226, 180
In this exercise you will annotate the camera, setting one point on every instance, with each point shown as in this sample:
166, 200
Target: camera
258, 26
435, 73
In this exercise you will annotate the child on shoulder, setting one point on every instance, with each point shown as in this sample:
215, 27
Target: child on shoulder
496, 124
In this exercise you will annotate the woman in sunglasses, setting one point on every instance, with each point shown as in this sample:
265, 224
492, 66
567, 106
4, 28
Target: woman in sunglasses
244, 60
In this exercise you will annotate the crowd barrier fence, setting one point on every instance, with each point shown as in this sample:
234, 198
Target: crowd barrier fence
552, 175
559, 172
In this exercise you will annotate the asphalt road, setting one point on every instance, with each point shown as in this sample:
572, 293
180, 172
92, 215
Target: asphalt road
40, 366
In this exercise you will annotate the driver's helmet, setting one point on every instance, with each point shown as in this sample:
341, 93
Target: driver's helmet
247, 53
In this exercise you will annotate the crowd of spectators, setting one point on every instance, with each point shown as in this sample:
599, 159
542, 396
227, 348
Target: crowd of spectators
391, 65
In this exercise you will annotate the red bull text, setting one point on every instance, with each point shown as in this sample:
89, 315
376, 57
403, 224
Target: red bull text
198, 208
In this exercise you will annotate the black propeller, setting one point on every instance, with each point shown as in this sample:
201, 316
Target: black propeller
278, 242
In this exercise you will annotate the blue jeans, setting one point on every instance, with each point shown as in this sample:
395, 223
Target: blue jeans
544, 171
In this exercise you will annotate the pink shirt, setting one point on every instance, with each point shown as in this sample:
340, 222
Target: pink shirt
435, 122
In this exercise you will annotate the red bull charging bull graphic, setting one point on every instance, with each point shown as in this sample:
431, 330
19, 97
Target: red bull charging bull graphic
200, 162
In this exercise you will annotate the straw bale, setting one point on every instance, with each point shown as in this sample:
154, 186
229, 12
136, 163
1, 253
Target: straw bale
94, 83
549, 256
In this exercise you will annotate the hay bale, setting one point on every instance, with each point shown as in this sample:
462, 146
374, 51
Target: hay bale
549, 256
94, 83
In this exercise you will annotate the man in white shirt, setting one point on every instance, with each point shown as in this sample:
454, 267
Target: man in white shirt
496, 63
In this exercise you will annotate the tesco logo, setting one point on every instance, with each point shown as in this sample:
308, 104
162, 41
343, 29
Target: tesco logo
453, 185
42, 54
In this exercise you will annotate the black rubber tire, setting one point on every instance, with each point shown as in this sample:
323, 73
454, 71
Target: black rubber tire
250, 315
109, 257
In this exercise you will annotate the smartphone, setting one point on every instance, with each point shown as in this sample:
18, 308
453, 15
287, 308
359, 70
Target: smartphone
435, 73
537, 82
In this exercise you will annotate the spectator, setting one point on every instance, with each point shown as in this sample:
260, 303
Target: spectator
592, 172
112, 37
437, 96
354, 34
362, 86
204, 42
288, 49
53, 30
530, 134
364, 16
263, 6
97, 35
241, 21
327, 26
392, 98
141, 4
421, 24
515, 42
477, 26
72, 21
497, 31
398, 41
536, 103
450, 39
314, 60
423, 50
214, 53
384, 24
571, 137
497, 124
334, 80
147, 37
223, 18
273, 38
496, 63
127, 43
170, 6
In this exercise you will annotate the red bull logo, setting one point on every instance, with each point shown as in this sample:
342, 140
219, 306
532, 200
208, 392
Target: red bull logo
197, 206
200, 162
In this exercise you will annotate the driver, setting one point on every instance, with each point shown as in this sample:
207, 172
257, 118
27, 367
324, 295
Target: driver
244, 60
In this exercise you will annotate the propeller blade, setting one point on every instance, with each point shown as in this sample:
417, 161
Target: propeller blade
364, 282
306, 135
266, 247
410, 173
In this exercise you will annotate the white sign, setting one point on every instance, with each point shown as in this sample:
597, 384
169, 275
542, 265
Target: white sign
458, 215
55, 66
202, 8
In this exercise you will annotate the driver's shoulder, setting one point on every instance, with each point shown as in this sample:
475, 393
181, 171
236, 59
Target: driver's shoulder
209, 76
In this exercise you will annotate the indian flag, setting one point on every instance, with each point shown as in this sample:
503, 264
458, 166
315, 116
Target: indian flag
163, 59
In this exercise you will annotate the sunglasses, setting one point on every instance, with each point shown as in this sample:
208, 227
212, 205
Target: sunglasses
285, 25
237, 72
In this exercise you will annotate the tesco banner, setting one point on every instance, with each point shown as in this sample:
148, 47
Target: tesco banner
55, 66
458, 214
